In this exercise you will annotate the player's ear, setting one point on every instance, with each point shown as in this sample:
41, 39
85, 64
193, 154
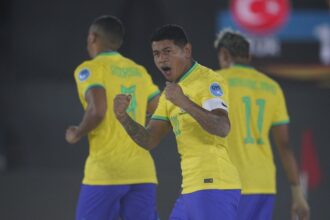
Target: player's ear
224, 54
188, 50
93, 36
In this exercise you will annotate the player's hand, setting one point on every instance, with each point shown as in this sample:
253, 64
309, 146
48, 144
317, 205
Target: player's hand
120, 105
72, 135
300, 208
174, 93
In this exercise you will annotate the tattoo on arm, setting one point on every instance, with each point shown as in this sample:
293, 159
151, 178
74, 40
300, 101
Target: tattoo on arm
137, 132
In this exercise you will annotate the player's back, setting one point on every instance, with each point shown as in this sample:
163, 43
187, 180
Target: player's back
114, 158
256, 104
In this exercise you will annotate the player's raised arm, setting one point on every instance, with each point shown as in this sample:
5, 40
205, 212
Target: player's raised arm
215, 121
93, 116
148, 137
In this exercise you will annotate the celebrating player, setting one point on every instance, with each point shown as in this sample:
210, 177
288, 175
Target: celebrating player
194, 105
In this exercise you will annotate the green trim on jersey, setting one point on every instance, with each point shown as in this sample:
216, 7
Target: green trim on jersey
153, 95
243, 66
157, 117
93, 86
281, 122
186, 74
109, 53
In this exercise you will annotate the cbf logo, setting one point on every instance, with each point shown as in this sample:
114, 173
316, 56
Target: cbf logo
215, 89
84, 74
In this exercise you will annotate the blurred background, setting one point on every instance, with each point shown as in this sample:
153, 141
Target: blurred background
42, 42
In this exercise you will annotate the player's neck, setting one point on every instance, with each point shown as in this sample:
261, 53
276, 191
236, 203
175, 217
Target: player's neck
186, 69
240, 62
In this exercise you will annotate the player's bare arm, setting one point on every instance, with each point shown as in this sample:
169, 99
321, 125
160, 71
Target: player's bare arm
148, 137
215, 122
93, 116
151, 107
300, 207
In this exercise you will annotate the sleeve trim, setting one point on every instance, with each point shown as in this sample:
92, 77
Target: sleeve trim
93, 86
281, 122
158, 117
153, 95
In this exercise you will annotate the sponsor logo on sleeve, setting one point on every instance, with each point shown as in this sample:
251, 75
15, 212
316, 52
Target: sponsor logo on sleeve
215, 89
84, 74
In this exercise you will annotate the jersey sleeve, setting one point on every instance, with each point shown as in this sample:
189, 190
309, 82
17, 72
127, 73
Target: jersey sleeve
281, 114
161, 111
151, 89
214, 94
88, 76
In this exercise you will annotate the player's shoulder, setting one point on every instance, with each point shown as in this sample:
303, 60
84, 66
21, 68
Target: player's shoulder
265, 78
133, 64
83, 70
89, 65
209, 74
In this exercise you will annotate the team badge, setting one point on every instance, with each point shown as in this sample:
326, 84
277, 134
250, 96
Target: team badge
84, 74
215, 89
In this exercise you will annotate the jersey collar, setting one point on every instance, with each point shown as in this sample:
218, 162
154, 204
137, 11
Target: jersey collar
108, 53
188, 72
243, 66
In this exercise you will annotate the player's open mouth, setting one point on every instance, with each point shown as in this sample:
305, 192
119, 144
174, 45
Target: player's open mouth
166, 70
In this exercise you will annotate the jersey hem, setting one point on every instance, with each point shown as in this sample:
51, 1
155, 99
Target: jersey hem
260, 191
89, 182
198, 188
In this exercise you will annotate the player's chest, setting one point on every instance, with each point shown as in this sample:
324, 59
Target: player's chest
180, 119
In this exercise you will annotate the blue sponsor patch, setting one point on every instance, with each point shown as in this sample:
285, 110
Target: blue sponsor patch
215, 89
84, 74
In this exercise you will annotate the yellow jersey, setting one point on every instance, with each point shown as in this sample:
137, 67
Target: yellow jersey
114, 158
257, 103
205, 162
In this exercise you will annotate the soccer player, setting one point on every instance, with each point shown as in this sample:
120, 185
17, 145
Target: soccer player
120, 178
257, 107
194, 106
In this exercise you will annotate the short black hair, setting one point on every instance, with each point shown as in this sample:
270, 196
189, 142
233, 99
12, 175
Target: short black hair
110, 29
170, 32
234, 42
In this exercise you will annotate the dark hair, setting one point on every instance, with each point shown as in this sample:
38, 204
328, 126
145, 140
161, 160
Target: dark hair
170, 32
110, 29
234, 42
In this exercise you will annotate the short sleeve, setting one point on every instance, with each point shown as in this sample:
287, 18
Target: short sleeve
88, 76
280, 114
151, 88
161, 111
214, 94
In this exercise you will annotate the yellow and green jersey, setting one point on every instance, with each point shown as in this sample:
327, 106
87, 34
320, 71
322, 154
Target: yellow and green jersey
257, 103
113, 156
205, 162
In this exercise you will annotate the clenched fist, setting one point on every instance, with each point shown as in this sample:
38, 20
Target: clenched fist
72, 135
120, 104
174, 93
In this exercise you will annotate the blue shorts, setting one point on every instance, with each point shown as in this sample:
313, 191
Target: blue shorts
129, 202
207, 205
256, 207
